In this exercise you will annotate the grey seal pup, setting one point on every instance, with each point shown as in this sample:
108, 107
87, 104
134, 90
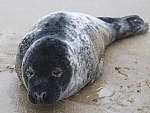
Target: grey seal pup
64, 51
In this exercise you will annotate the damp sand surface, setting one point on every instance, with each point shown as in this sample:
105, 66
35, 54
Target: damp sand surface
125, 84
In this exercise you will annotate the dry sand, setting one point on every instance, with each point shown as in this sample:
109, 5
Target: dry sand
125, 84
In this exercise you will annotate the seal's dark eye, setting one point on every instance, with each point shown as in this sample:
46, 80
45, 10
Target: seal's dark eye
30, 72
57, 72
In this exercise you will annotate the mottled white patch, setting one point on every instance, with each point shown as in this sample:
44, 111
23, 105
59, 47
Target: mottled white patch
85, 50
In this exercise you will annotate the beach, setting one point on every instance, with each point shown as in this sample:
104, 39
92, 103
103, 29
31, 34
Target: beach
125, 84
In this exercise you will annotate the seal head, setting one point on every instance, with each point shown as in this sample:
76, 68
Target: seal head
46, 70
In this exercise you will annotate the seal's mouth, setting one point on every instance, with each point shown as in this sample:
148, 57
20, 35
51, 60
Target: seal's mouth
37, 98
41, 98
43, 93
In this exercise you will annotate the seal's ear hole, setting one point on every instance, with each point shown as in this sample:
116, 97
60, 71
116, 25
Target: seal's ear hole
57, 72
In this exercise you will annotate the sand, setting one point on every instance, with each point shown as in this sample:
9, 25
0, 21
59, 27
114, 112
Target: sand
125, 84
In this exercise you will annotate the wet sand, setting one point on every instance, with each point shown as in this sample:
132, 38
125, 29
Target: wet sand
125, 84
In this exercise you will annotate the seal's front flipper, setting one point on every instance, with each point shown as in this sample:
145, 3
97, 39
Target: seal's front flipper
126, 26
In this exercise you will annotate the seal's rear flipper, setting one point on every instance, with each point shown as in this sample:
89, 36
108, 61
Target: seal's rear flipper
136, 24
126, 26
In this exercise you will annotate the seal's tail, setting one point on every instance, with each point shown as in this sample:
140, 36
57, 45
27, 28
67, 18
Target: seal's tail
126, 26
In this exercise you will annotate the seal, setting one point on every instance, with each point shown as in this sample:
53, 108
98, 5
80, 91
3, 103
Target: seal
64, 52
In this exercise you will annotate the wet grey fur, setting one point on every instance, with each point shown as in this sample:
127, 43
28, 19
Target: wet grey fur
86, 37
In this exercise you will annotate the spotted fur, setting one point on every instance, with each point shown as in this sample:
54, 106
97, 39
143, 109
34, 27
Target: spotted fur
85, 37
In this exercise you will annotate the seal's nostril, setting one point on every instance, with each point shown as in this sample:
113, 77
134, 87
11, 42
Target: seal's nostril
43, 96
39, 97
35, 95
